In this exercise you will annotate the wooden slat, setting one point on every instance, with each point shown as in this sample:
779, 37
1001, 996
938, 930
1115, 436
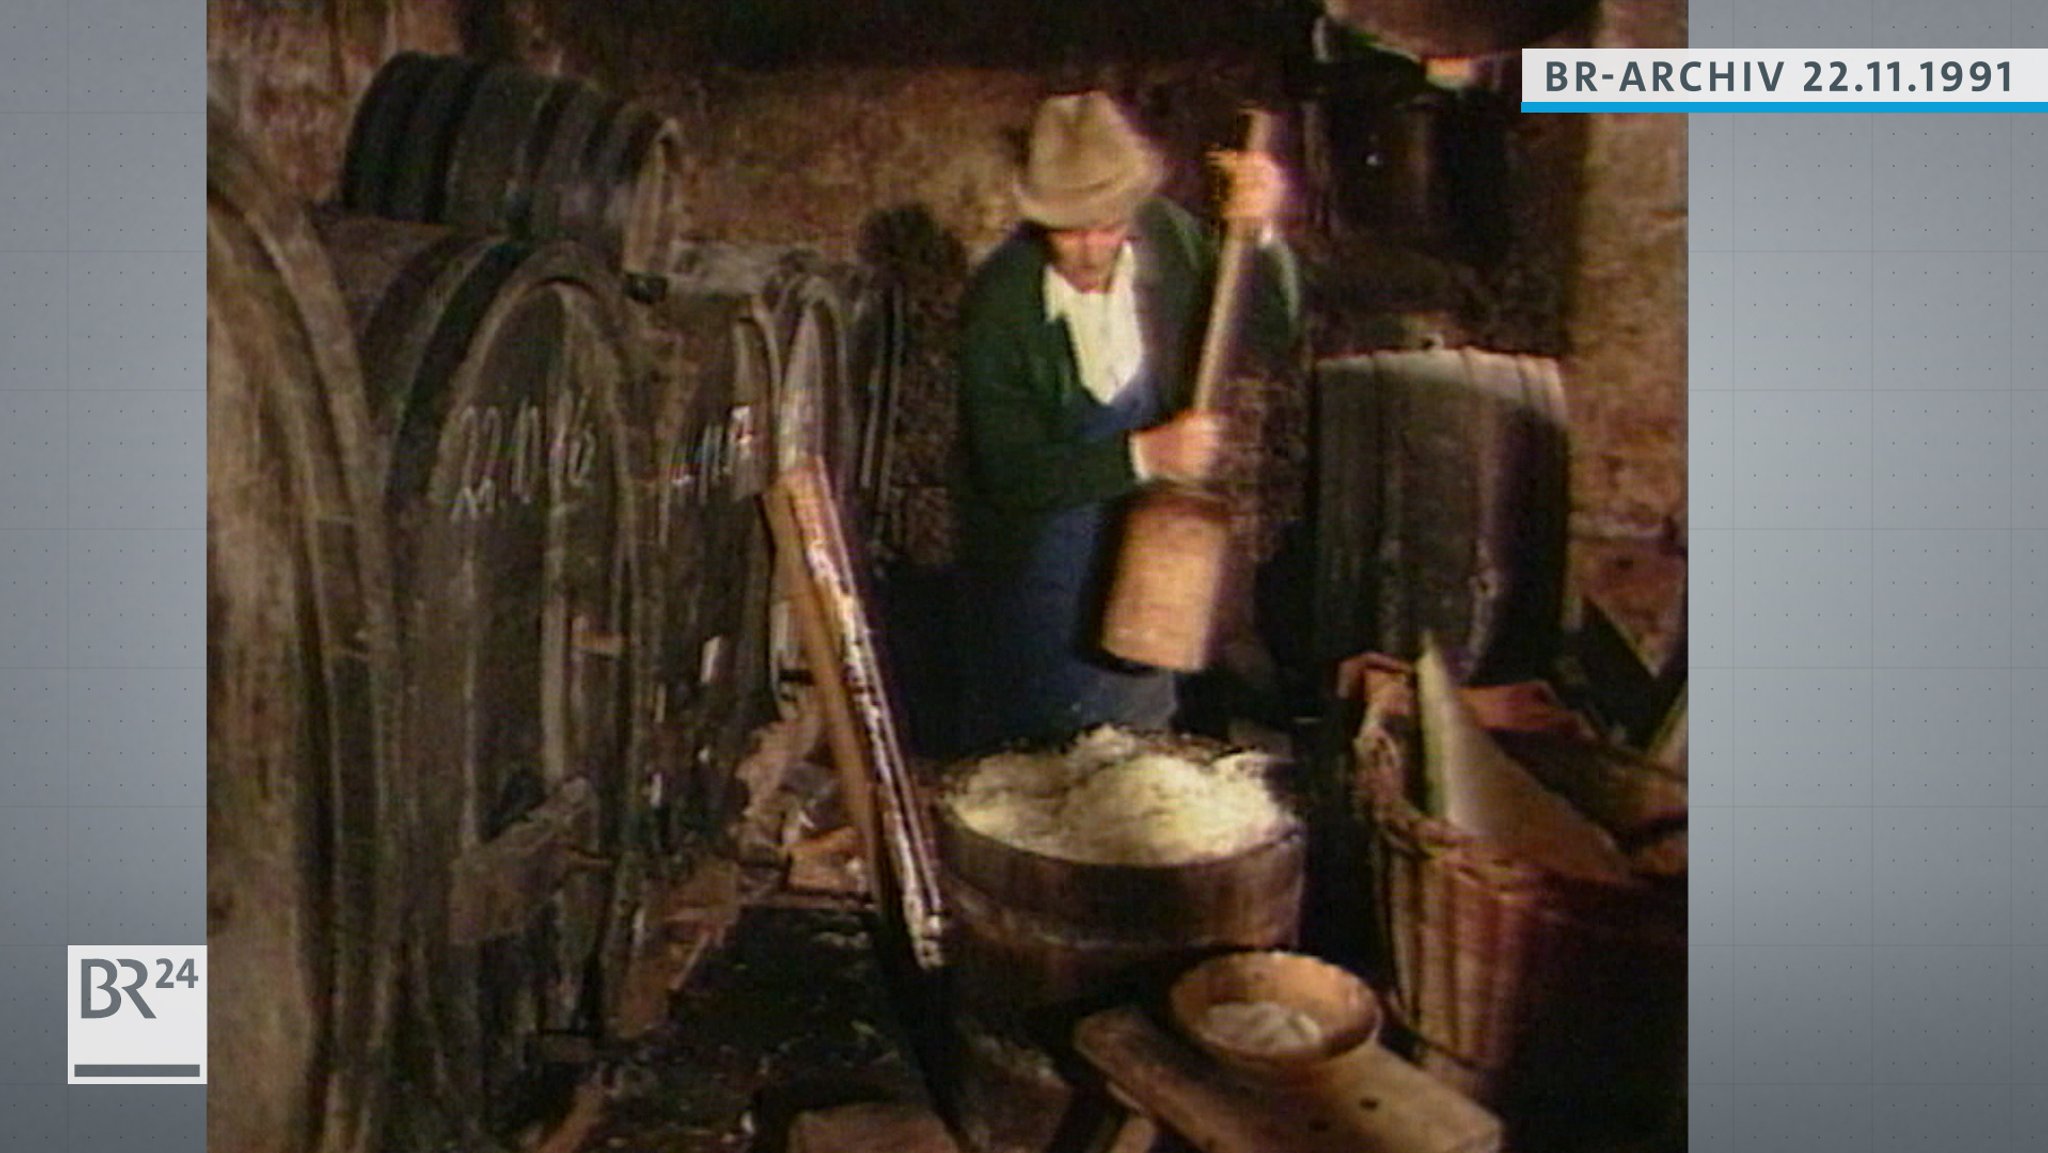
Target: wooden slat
491, 150
840, 732
1368, 1101
870, 1127
378, 130
852, 658
418, 187
499, 886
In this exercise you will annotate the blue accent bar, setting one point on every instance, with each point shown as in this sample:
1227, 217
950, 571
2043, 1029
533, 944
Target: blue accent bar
1781, 106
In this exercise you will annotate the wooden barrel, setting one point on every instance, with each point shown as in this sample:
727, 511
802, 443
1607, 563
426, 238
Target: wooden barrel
1457, 27
716, 359
752, 348
838, 323
1037, 940
1408, 161
497, 372
794, 293
834, 321
1443, 498
809, 402
453, 140
881, 358
854, 316
306, 809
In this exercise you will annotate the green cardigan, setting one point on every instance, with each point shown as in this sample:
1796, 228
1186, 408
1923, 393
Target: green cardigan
1021, 399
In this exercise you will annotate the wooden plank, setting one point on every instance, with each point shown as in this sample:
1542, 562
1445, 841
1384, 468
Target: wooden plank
1137, 1134
870, 1127
1368, 1101
497, 887
840, 731
586, 1110
846, 662
682, 921
828, 863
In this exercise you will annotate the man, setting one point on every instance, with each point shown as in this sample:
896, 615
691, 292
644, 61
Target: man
1079, 345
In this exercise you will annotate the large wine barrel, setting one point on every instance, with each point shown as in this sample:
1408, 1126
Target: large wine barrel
842, 331
713, 340
306, 808
795, 296
810, 400
1443, 498
831, 320
453, 140
498, 373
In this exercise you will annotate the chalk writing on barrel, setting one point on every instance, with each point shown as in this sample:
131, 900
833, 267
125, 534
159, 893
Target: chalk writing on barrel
512, 455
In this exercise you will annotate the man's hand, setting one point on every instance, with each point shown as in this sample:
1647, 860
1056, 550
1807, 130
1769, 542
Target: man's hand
1257, 187
1183, 449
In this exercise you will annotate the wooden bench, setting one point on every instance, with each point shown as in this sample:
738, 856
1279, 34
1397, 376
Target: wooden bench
1368, 1101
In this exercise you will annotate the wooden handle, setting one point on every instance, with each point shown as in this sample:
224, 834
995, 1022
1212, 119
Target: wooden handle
1237, 242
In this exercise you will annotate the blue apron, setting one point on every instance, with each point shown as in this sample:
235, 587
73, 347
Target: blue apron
1035, 667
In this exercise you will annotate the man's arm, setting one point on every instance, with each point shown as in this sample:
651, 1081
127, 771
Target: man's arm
1020, 458
1255, 199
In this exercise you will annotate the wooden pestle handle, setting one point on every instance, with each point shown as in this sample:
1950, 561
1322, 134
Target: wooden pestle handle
1237, 243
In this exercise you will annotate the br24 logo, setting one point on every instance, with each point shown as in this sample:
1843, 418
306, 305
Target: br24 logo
108, 970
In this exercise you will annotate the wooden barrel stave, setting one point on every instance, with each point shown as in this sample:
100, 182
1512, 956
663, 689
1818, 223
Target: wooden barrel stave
489, 166
564, 131
307, 816
1200, 899
418, 188
1018, 964
378, 130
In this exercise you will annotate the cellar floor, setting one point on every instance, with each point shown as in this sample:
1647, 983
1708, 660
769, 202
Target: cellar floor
793, 1015
790, 1015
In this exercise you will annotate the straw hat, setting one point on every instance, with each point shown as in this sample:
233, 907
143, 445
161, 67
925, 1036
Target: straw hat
1086, 165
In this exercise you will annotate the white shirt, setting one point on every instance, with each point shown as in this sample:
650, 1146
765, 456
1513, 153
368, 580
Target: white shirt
1109, 343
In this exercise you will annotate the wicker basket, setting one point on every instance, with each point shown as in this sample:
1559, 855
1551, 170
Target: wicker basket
1516, 982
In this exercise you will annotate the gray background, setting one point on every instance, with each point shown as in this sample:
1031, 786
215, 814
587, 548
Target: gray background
1869, 523
1869, 309
102, 516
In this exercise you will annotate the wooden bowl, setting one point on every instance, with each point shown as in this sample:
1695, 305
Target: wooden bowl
1253, 1012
